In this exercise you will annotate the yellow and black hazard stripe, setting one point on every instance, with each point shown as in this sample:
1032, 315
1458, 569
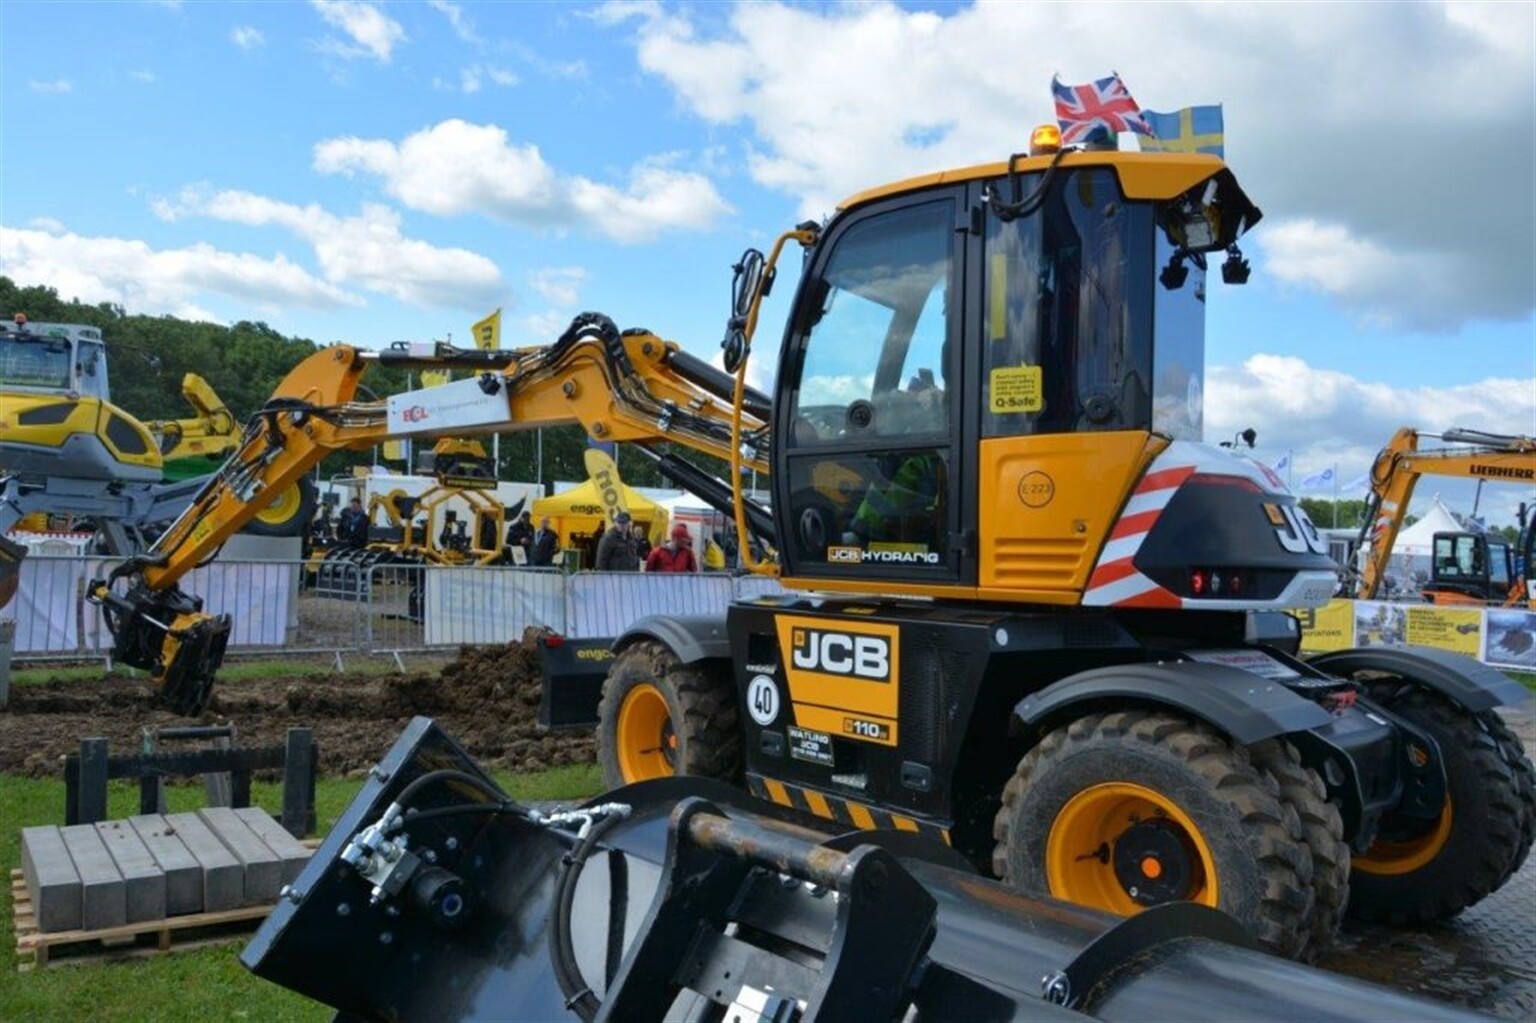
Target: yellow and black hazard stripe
845, 811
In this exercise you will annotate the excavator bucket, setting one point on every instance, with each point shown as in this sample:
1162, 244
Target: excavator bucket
436, 897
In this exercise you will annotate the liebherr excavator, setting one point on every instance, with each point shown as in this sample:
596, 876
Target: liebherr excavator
1032, 618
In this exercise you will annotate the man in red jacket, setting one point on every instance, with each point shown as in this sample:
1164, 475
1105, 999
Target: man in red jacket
676, 555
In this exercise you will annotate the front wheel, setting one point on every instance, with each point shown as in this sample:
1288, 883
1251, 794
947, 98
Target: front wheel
659, 717
1416, 870
1125, 811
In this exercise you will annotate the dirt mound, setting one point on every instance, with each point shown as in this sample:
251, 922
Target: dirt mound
487, 699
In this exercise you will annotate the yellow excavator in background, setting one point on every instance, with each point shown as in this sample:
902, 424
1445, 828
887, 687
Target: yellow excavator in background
66, 450
1029, 614
1466, 567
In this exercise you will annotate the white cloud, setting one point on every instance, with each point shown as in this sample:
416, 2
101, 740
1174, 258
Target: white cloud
1330, 418
455, 167
366, 251
462, 26
835, 98
50, 224
559, 285
131, 273
55, 85
373, 33
546, 327
246, 37
470, 78
145, 76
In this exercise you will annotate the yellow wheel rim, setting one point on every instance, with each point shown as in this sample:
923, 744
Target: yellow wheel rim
285, 507
646, 740
1403, 856
1121, 847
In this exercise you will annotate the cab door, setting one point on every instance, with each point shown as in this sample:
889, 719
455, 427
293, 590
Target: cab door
870, 445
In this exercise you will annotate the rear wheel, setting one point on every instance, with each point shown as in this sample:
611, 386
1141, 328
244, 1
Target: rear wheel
1417, 870
289, 514
1129, 810
1323, 830
659, 717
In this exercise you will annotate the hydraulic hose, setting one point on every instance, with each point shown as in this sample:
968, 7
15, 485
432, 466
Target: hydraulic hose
578, 993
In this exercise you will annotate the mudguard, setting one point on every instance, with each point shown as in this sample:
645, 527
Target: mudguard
1245, 706
1460, 679
691, 637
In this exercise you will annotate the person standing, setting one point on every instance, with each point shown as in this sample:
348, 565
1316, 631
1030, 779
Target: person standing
676, 555
520, 532
352, 530
541, 553
642, 543
616, 550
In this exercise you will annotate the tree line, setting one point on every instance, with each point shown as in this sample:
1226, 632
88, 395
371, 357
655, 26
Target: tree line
149, 355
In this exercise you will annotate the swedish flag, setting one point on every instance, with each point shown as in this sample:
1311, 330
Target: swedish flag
1191, 130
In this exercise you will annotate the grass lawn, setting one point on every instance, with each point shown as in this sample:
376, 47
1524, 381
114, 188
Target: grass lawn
1525, 678
209, 984
234, 671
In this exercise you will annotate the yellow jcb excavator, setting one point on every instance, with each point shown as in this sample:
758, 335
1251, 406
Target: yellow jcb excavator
1029, 616
1466, 567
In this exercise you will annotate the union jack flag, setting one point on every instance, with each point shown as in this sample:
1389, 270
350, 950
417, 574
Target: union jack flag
1104, 105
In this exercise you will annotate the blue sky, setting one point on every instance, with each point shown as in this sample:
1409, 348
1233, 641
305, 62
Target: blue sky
375, 171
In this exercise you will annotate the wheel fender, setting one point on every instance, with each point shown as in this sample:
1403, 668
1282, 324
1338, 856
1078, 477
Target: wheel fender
1247, 707
691, 637
1469, 683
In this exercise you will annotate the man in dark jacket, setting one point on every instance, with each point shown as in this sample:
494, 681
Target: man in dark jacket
352, 530
542, 552
616, 550
520, 532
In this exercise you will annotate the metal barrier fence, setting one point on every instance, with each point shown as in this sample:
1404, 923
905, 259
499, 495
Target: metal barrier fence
291, 607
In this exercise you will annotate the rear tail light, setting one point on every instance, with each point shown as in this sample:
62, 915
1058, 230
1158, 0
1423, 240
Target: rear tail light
1214, 583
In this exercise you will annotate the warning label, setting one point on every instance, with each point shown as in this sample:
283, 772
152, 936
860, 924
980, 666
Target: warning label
1017, 389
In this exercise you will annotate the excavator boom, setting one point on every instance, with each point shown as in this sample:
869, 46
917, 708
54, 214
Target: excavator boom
631, 387
1396, 472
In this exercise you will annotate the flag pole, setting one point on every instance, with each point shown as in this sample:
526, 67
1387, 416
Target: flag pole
1289, 462
1335, 495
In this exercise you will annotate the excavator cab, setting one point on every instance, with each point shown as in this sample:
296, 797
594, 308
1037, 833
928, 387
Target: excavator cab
1470, 568
959, 353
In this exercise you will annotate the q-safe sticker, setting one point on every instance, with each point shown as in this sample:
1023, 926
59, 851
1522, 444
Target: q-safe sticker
1017, 389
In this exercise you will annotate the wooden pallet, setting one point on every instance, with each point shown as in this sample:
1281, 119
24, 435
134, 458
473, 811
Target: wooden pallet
35, 949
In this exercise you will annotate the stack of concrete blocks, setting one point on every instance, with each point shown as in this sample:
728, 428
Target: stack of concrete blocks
96, 876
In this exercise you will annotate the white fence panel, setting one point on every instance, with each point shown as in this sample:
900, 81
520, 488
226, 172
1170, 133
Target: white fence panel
259, 597
46, 605
607, 603
489, 605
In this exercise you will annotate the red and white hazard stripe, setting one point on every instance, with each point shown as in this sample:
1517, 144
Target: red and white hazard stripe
1115, 581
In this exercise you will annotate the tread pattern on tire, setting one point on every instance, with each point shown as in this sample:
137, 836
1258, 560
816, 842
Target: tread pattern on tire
1274, 831
1322, 827
1525, 782
709, 737
1464, 875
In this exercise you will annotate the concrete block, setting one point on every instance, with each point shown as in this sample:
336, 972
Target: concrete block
291, 853
223, 875
263, 870
103, 896
52, 880
183, 874
143, 880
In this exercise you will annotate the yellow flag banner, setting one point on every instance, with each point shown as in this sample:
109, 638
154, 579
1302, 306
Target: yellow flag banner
605, 473
434, 377
487, 333
394, 450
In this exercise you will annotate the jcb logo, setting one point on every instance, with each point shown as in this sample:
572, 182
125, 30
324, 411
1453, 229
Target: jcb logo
841, 653
1296, 533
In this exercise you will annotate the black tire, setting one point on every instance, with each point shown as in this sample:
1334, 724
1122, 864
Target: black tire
1323, 830
1262, 864
1514, 754
1489, 829
296, 515
701, 731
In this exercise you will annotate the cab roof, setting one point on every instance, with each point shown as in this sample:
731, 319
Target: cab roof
1142, 175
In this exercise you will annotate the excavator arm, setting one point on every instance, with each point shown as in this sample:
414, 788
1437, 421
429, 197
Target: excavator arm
632, 387
1396, 472
213, 431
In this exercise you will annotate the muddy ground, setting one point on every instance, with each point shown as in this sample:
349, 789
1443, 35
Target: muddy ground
487, 698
